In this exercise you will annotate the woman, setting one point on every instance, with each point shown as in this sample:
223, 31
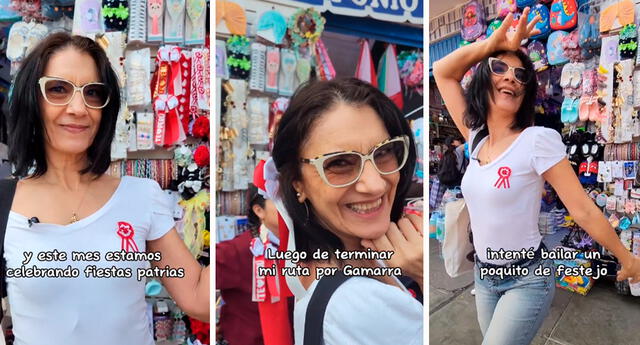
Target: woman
63, 111
345, 158
242, 320
505, 177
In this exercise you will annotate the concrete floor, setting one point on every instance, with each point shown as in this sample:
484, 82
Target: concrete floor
602, 317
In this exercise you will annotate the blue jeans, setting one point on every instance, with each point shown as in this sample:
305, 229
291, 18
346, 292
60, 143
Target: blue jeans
511, 309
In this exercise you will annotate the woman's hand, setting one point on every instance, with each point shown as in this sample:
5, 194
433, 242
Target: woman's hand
405, 240
502, 39
630, 269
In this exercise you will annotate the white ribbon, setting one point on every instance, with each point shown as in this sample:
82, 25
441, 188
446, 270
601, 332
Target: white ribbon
272, 187
171, 55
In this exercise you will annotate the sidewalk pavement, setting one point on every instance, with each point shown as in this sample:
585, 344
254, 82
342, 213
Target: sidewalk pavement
602, 317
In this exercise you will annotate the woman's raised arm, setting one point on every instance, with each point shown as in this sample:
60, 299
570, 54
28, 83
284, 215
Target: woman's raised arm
449, 71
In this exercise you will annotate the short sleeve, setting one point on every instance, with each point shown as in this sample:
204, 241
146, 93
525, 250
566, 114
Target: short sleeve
548, 150
161, 212
366, 311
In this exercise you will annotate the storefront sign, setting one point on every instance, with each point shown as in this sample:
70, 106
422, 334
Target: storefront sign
389, 10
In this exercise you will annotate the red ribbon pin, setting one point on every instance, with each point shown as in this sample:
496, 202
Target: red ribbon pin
503, 180
125, 231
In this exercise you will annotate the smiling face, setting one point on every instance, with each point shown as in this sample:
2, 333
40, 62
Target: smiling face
71, 128
361, 210
507, 92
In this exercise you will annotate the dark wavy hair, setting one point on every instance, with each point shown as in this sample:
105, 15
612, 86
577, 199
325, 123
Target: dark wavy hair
308, 104
481, 88
254, 199
26, 128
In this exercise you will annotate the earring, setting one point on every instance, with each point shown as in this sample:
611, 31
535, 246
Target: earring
298, 194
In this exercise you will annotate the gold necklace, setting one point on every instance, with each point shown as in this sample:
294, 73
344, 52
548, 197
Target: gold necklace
74, 214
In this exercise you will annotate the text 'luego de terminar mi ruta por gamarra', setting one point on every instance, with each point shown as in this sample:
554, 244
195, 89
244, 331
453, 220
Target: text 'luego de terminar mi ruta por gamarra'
295, 257
91, 271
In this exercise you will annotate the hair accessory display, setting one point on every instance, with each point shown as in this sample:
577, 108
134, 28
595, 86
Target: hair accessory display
201, 127
144, 130
273, 66
174, 21
155, 9
137, 21
258, 66
232, 15
287, 72
87, 18
115, 13
195, 22
138, 70
306, 26
201, 156
272, 26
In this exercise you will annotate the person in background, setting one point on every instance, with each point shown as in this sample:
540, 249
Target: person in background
239, 319
242, 320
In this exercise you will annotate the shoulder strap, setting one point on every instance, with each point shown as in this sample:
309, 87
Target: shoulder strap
476, 140
314, 318
7, 191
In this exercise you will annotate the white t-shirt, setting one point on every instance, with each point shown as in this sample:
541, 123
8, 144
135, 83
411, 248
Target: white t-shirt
365, 311
80, 311
503, 197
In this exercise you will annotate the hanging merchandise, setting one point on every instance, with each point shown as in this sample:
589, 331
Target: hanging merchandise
184, 98
22, 38
504, 7
617, 15
144, 130
303, 68
278, 108
272, 26
258, 66
411, 71
628, 44
258, 109
286, 79
564, 14
305, 27
174, 21
155, 9
365, 70
54, 10
555, 52
538, 55
29, 10
201, 127
115, 13
525, 3
137, 21
544, 24
87, 18
389, 76
324, 66
194, 221
200, 77
273, 66
589, 37
473, 21
233, 17
7, 12
222, 70
238, 57
195, 28
201, 156
493, 26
